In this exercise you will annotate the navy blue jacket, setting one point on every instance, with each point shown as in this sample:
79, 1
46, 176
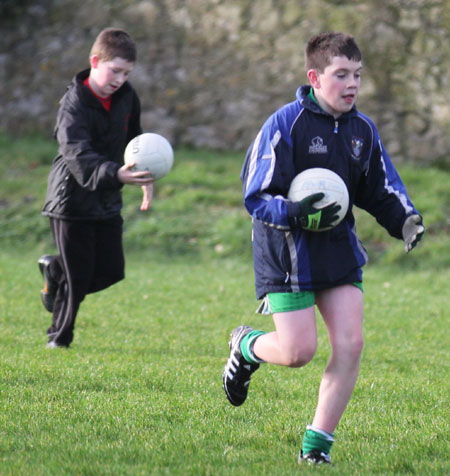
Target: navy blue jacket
83, 183
300, 136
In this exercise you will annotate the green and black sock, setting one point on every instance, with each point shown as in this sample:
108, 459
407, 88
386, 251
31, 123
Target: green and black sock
315, 439
247, 347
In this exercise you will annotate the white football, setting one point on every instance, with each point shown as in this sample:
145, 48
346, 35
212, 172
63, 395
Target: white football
316, 180
151, 153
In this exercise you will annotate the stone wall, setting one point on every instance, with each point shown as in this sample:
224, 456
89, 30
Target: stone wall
209, 72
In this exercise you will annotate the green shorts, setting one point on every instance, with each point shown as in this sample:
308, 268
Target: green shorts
285, 302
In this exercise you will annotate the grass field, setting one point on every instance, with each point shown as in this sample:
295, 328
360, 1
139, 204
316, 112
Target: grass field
139, 392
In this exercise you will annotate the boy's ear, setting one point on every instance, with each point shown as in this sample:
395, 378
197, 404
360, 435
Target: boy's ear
94, 60
313, 77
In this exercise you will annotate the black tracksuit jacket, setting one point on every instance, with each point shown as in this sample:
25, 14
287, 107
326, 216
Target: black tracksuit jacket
82, 183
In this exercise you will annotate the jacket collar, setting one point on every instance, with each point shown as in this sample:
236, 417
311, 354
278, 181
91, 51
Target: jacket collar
85, 94
303, 96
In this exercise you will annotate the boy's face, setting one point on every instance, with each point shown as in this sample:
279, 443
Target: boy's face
106, 77
337, 87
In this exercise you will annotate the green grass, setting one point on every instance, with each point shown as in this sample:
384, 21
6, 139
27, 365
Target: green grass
139, 392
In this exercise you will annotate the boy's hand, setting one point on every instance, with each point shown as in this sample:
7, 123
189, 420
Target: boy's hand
412, 231
147, 195
127, 176
304, 215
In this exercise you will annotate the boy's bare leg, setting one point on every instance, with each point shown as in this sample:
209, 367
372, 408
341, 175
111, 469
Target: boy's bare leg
294, 341
342, 311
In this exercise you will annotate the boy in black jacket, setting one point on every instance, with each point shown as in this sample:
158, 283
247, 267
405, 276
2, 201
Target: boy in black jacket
298, 268
98, 115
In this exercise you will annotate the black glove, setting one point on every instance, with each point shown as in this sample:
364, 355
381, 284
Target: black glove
302, 214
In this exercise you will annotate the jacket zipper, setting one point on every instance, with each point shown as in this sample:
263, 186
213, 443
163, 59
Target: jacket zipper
336, 127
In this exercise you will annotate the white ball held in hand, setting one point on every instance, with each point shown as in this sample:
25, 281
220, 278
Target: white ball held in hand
322, 180
151, 153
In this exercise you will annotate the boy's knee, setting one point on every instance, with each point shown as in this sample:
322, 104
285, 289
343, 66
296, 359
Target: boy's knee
350, 348
356, 345
299, 356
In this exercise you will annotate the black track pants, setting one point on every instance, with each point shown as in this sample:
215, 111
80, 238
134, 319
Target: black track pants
90, 259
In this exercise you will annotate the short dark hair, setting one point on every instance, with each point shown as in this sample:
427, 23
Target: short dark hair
114, 42
321, 49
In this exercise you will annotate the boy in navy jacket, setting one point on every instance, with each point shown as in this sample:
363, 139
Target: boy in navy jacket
98, 115
297, 267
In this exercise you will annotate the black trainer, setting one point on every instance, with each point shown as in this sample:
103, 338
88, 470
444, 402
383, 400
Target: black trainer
314, 457
48, 292
237, 372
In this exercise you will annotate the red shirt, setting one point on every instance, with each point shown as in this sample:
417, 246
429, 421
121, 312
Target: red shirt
106, 102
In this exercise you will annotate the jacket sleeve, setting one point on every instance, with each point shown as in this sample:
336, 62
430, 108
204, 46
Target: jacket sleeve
265, 186
382, 193
90, 169
134, 126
